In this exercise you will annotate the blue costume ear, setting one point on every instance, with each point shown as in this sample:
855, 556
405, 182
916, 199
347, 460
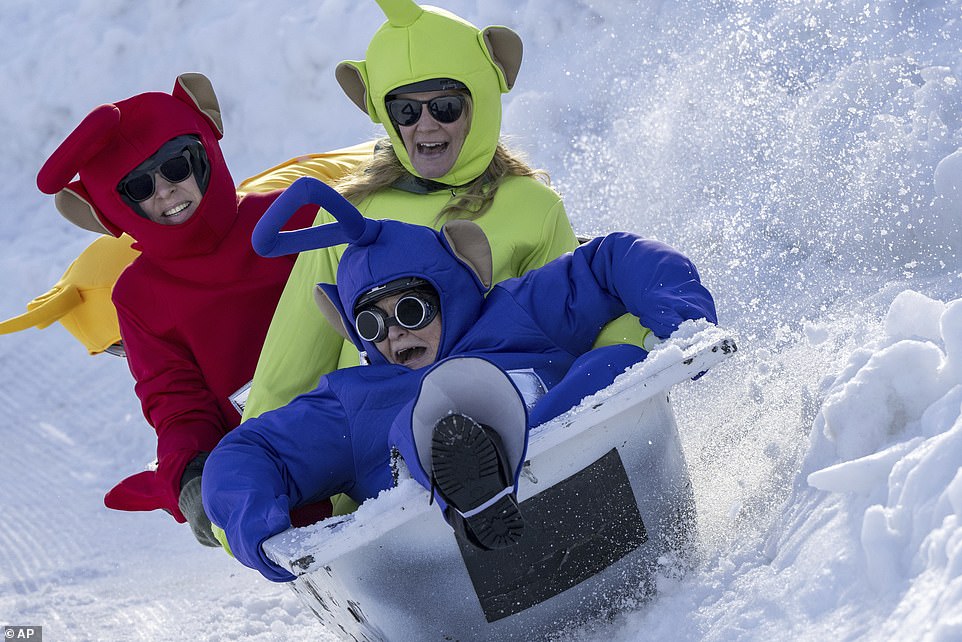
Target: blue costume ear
329, 302
351, 226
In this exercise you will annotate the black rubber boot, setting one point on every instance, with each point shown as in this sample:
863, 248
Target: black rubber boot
469, 468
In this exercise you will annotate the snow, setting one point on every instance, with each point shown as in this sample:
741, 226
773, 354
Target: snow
806, 154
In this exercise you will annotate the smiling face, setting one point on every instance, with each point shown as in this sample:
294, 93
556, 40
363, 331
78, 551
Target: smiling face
172, 203
167, 187
433, 146
410, 348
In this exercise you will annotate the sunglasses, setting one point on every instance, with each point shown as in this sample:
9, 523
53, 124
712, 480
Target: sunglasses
444, 109
138, 186
412, 312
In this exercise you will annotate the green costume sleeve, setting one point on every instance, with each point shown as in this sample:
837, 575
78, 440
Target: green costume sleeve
300, 344
517, 246
624, 329
221, 537
557, 238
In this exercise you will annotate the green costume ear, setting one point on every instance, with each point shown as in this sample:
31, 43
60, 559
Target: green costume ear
505, 51
421, 43
352, 77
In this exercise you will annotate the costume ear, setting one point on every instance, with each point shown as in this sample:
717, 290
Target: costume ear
505, 50
330, 311
352, 77
75, 205
469, 244
195, 89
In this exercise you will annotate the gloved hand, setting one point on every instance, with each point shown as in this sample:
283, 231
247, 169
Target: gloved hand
192, 506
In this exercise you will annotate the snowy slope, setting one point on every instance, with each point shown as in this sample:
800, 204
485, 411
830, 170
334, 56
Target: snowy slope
805, 154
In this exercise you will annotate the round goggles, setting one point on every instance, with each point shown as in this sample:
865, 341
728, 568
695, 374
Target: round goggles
444, 109
412, 311
139, 185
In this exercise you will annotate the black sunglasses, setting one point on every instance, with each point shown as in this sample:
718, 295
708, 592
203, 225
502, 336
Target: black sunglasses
412, 311
444, 109
139, 185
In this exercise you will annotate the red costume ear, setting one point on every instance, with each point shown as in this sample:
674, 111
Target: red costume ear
85, 142
195, 90
74, 204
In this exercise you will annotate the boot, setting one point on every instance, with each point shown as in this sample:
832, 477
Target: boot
472, 475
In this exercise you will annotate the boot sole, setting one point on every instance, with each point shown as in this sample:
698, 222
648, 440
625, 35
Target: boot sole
466, 470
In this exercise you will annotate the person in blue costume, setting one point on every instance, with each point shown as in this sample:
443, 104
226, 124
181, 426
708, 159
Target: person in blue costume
419, 304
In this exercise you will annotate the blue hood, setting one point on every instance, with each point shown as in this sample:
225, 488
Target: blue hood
378, 251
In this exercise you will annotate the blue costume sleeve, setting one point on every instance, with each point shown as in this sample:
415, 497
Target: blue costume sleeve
574, 295
268, 465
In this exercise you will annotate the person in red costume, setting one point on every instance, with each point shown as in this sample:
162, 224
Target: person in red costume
195, 306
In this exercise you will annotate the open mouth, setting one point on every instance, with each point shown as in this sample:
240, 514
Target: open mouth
177, 209
407, 355
431, 148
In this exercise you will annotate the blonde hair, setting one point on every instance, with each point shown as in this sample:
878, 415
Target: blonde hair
384, 169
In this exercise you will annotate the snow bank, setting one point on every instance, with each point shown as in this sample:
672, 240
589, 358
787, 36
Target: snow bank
889, 435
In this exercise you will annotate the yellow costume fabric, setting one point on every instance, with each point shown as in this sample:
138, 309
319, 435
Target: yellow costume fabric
326, 166
80, 300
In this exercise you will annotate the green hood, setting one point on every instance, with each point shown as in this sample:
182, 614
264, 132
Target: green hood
420, 43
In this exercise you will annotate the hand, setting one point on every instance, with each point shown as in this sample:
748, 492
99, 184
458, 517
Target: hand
192, 506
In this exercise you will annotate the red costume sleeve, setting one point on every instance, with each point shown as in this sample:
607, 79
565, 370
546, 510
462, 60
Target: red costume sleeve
178, 404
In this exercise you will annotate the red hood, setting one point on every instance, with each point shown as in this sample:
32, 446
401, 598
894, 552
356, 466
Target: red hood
113, 140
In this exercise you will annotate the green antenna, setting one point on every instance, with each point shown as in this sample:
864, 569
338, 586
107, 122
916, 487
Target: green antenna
400, 13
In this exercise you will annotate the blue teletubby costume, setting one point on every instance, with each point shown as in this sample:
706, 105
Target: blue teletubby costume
338, 438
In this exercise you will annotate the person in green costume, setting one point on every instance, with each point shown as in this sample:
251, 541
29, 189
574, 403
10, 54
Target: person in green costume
435, 82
